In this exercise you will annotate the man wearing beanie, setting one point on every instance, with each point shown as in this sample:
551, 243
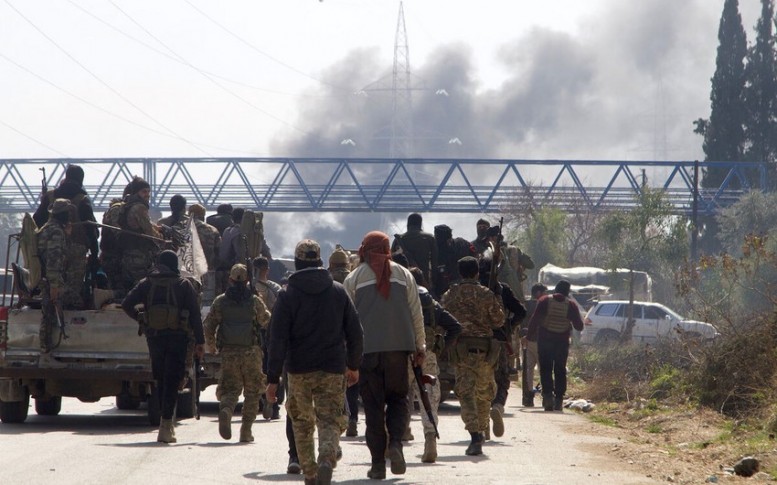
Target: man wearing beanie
83, 237
138, 253
386, 297
418, 246
233, 330
170, 313
316, 336
550, 326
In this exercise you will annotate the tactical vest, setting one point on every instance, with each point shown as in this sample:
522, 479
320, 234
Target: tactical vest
167, 315
237, 328
128, 241
556, 320
109, 237
432, 333
78, 231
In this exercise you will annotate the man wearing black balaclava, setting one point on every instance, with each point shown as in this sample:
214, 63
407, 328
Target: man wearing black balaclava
170, 313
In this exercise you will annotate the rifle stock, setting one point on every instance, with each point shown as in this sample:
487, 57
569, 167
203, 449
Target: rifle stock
420, 380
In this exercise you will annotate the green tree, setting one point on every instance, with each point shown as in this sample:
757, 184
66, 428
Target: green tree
753, 214
760, 93
723, 132
543, 237
647, 238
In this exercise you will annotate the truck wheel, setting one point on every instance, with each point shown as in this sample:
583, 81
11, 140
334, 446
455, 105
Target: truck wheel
154, 411
187, 403
48, 407
126, 402
607, 337
15, 412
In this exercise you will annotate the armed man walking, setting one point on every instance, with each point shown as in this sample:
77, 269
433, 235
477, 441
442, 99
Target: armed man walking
169, 318
233, 330
441, 330
386, 297
480, 312
83, 237
315, 333
529, 347
551, 326
52, 250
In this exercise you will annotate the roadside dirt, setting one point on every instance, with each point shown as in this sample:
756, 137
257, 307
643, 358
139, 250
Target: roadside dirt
687, 447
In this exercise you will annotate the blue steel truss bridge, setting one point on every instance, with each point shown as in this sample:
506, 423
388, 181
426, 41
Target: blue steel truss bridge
388, 185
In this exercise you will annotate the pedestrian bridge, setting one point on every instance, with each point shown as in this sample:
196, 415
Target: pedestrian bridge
387, 185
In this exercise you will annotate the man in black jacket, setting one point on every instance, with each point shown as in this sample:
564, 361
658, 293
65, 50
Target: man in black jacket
171, 312
316, 334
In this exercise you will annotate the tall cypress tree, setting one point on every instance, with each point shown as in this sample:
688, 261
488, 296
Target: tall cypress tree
760, 93
724, 135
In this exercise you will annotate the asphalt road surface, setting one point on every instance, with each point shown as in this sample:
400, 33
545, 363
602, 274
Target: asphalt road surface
95, 443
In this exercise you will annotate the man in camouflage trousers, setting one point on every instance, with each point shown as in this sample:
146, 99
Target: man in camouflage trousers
316, 335
82, 238
232, 329
52, 249
138, 253
479, 312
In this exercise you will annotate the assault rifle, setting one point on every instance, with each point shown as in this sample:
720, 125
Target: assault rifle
43, 185
422, 379
60, 319
249, 264
118, 229
196, 387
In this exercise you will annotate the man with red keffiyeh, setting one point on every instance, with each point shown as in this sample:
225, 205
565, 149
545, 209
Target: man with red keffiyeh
386, 298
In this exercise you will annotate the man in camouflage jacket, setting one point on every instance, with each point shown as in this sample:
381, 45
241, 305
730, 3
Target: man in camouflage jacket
480, 312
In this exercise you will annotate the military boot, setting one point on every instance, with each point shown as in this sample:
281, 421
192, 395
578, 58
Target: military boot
377, 471
352, 430
166, 431
558, 404
225, 422
476, 445
497, 410
430, 448
547, 402
245, 431
397, 458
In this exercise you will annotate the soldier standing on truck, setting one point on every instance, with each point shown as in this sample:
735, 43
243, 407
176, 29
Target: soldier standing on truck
233, 329
110, 251
83, 237
138, 253
52, 249
479, 312
170, 316
418, 246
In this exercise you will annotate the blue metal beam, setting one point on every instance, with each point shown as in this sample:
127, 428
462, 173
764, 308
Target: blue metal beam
383, 185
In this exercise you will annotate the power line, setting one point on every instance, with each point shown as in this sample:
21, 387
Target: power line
104, 110
264, 54
179, 61
207, 76
101, 81
35, 140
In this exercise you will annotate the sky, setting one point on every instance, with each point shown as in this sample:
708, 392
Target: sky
518, 79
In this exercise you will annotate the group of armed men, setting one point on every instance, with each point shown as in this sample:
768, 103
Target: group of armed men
367, 326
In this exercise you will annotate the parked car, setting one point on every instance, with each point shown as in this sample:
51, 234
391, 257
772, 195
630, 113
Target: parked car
605, 321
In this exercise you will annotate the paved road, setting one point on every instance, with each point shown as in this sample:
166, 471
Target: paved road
98, 444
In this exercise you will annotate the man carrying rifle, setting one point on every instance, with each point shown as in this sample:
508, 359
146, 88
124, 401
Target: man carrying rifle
137, 253
441, 330
515, 313
475, 354
53, 240
83, 237
233, 330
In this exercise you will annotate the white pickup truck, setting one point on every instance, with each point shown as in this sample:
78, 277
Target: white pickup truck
102, 356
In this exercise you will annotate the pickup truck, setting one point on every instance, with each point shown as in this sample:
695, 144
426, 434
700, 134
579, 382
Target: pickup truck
102, 356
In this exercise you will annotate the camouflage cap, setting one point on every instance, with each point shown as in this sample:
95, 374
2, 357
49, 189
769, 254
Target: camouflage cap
339, 256
239, 272
307, 250
60, 205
